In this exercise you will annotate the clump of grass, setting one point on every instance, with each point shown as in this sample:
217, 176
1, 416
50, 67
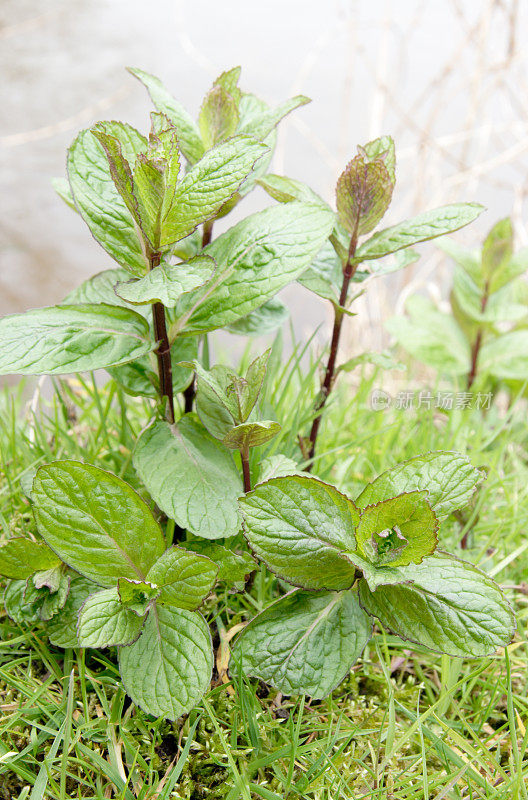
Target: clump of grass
405, 724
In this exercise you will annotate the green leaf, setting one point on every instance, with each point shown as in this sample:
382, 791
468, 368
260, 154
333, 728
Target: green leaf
100, 288
324, 276
140, 377
510, 270
284, 190
305, 642
166, 283
216, 409
137, 596
208, 185
64, 339
428, 225
449, 478
271, 315
48, 589
95, 522
301, 527
363, 194
383, 360
432, 337
21, 610
450, 606
500, 306
20, 558
218, 118
497, 249
100, 204
185, 578
251, 434
468, 259
260, 255
189, 138
259, 122
191, 476
382, 148
506, 356
232, 567
228, 80
110, 136
278, 466
62, 628
168, 669
104, 622
397, 531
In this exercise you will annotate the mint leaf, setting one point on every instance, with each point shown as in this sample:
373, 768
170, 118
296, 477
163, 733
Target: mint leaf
208, 185
62, 187
324, 276
20, 558
251, 434
49, 589
64, 339
218, 118
100, 288
217, 410
305, 642
232, 567
450, 606
284, 190
397, 531
168, 669
301, 527
260, 255
259, 122
189, 138
428, 225
22, 610
62, 628
363, 194
191, 476
267, 318
185, 578
98, 201
104, 622
497, 249
449, 478
137, 596
95, 522
382, 148
278, 466
166, 283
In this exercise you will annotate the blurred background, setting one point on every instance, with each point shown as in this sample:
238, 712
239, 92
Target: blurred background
446, 79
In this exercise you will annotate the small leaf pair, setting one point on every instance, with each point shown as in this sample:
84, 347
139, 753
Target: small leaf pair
144, 597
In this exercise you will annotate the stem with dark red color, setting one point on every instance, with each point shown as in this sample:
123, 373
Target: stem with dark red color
475, 349
162, 351
326, 386
244, 456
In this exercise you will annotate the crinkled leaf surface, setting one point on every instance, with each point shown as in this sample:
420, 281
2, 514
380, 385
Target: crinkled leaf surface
271, 315
397, 531
233, 567
100, 288
449, 478
256, 258
284, 190
168, 669
300, 527
216, 409
218, 118
428, 225
278, 466
98, 201
189, 137
20, 558
62, 628
306, 642
137, 595
208, 185
259, 122
105, 622
48, 590
166, 283
363, 194
64, 339
95, 522
24, 611
450, 606
185, 578
251, 434
191, 476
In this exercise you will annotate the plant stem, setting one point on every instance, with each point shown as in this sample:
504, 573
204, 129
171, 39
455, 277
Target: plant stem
207, 232
244, 455
326, 386
163, 349
475, 348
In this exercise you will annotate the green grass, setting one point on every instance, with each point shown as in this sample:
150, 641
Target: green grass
405, 723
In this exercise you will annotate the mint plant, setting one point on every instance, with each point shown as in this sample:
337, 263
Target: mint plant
108, 567
484, 338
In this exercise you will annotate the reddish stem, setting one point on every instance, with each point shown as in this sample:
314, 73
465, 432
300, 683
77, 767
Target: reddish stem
163, 349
